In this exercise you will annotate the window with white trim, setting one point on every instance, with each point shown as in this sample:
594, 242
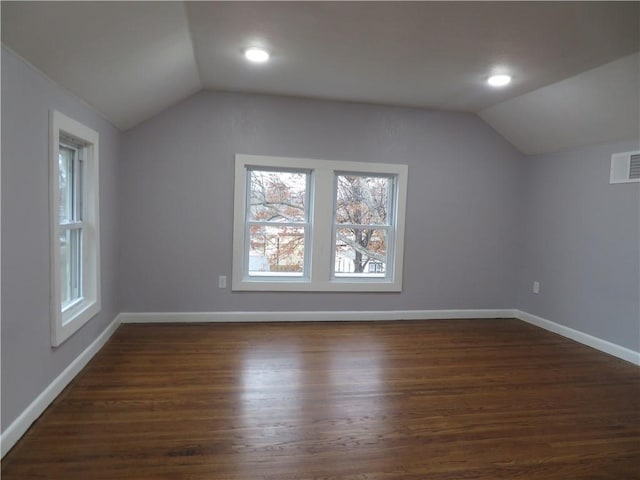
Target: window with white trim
75, 241
318, 225
363, 224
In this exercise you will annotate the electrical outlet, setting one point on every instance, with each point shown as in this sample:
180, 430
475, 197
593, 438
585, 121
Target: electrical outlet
536, 287
222, 281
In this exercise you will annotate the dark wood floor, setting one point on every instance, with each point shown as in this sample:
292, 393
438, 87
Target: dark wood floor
453, 399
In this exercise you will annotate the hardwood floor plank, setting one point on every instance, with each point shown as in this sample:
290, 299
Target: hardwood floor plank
450, 399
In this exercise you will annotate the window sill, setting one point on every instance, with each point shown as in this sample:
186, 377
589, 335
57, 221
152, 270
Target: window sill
73, 319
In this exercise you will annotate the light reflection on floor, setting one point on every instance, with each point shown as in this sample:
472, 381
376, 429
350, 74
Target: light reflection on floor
278, 413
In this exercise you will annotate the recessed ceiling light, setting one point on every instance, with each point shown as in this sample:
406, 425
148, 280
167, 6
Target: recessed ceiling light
499, 80
256, 55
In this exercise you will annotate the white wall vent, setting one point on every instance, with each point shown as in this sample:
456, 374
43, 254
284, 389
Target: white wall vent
625, 167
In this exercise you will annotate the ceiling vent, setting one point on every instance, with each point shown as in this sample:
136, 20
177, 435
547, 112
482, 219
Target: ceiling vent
625, 167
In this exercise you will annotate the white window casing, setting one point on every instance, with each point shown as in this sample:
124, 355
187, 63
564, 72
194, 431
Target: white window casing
319, 266
80, 144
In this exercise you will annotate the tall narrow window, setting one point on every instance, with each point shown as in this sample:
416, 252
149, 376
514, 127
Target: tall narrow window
74, 226
277, 223
71, 224
363, 227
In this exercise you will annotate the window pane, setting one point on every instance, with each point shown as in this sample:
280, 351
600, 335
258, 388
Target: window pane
360, 252
65, 267
362, 200
77, 190
277, 196
66, 183
276, 250
70, 266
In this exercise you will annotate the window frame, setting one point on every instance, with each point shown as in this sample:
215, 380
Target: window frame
320, 246
68, 133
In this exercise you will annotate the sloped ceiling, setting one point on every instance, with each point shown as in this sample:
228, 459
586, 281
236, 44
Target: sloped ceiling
131, 60
600, 105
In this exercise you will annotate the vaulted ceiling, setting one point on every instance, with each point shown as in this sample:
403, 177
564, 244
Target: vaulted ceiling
131, 60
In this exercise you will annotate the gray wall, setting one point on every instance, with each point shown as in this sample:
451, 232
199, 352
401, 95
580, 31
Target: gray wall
581, 239
29, 363
176, 190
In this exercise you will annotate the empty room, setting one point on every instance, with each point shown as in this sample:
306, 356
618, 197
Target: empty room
320, 240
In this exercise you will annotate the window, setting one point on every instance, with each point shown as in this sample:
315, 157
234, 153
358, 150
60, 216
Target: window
318, 225
74, 226
278, 222
362, 224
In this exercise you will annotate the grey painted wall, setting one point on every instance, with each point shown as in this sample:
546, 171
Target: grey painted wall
581, 239
29, 363
176, 191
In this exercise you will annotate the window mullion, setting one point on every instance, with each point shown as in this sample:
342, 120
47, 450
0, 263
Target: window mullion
267, 223
71, 226
321, 243
363, 226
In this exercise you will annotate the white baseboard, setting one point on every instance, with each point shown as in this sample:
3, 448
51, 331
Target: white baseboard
21, 424
581, 337
322, 316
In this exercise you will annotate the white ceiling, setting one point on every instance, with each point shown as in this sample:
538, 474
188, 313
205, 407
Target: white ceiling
131, 60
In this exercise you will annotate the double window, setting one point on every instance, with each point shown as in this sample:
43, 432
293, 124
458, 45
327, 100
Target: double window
74, 226
318, 225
